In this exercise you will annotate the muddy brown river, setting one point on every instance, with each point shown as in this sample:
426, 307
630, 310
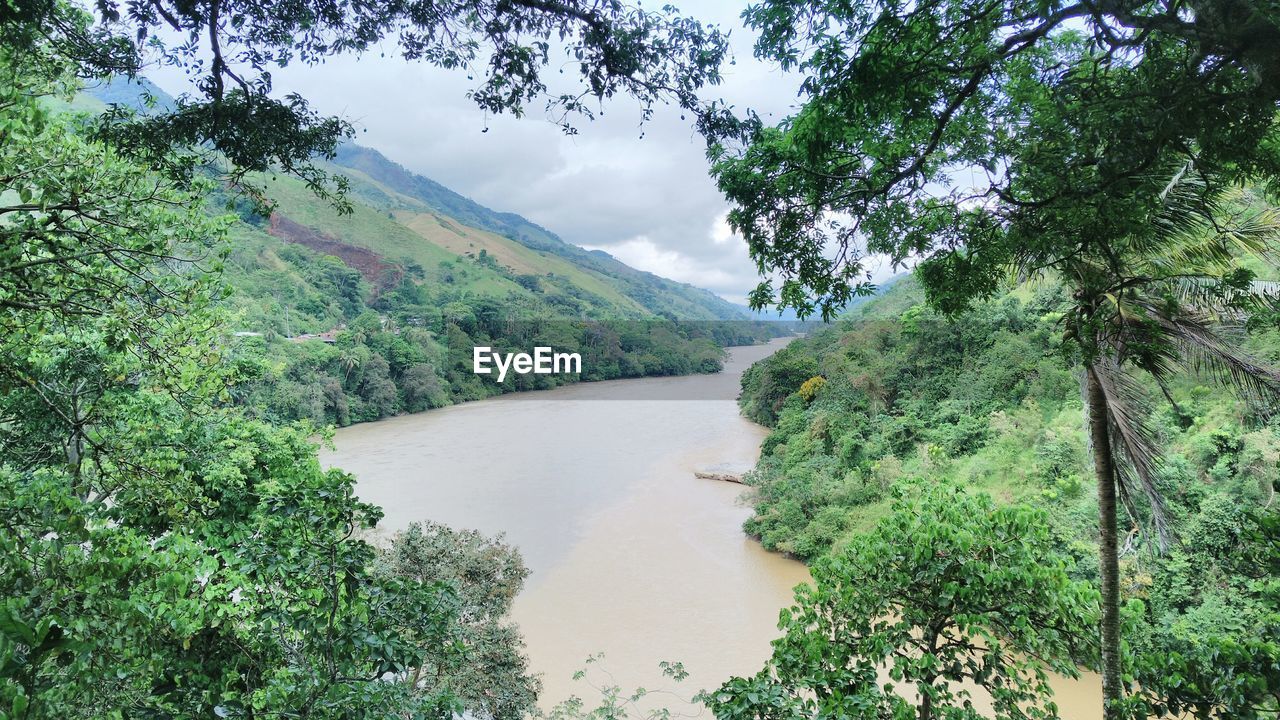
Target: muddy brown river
630, 555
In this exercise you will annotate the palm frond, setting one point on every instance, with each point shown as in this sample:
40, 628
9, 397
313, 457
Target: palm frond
1186, 210
1134, 445
1248, 227
1203, 350
1224, 302
1208, 228
1125, 480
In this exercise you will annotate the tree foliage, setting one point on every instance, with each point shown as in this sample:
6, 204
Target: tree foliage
228, 48
490, 673
949, 601
161, 553
983, 400
980, 136
962, 131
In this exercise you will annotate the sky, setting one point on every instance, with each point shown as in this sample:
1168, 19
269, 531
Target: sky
639, 193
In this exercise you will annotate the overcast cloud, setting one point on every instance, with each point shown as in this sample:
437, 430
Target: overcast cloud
646, 200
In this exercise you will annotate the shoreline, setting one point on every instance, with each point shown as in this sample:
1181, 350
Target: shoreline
538, 392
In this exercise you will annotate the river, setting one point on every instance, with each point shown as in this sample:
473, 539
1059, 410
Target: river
630, 555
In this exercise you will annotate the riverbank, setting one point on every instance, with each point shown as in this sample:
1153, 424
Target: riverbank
373, 373
631, 556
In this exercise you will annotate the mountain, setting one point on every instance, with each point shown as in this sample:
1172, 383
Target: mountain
408, 227
512, 236
788, 315
342, 318
140, 94
769, 314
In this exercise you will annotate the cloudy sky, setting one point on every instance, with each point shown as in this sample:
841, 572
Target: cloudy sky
646, 200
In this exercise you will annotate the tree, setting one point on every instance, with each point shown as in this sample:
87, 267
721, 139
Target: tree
529, 282
376, 389
1160, 302
422, 388
928, 128
1200, 668
229, 46
950, 597
351, 356
976, 136
766, 385
161, 553
491, 677
90, 277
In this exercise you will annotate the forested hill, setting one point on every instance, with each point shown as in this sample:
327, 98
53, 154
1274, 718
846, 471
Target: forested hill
895, 390
446, 227
343, 318
895, 393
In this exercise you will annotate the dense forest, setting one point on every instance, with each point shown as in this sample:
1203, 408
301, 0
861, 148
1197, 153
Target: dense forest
895, 394
376, 368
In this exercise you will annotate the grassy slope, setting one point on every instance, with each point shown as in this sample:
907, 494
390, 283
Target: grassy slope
656, 294
461, 239
522, 260
411, 220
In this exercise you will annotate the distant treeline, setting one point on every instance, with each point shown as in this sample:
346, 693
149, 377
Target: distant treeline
383, 365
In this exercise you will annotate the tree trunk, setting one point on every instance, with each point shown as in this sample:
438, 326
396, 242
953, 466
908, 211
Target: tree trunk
1108, 559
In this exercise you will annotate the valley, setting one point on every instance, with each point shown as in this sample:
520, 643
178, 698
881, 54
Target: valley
289, 429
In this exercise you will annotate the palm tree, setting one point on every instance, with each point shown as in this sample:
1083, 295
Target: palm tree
1157, 303
350, 357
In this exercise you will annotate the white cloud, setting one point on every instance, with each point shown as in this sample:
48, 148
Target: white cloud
721, 233
730, 281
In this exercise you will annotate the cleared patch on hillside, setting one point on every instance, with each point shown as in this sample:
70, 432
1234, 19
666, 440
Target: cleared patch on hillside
376, 269
446, 234
521, 260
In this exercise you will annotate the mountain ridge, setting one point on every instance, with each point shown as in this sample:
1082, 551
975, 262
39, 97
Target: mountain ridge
510, 225
573, 279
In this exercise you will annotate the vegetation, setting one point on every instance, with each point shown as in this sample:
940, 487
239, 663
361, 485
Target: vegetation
985, 136
406, 292
170, 545
227, 47
1161, 300
485, 670
984, 401
970, 133
166, 551
949, 598
162, 553
376, 368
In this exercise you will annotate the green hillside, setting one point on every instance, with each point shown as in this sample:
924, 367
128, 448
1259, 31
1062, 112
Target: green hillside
418, 227
390, 238
984, 397
357, 316
401, 189
895, 395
